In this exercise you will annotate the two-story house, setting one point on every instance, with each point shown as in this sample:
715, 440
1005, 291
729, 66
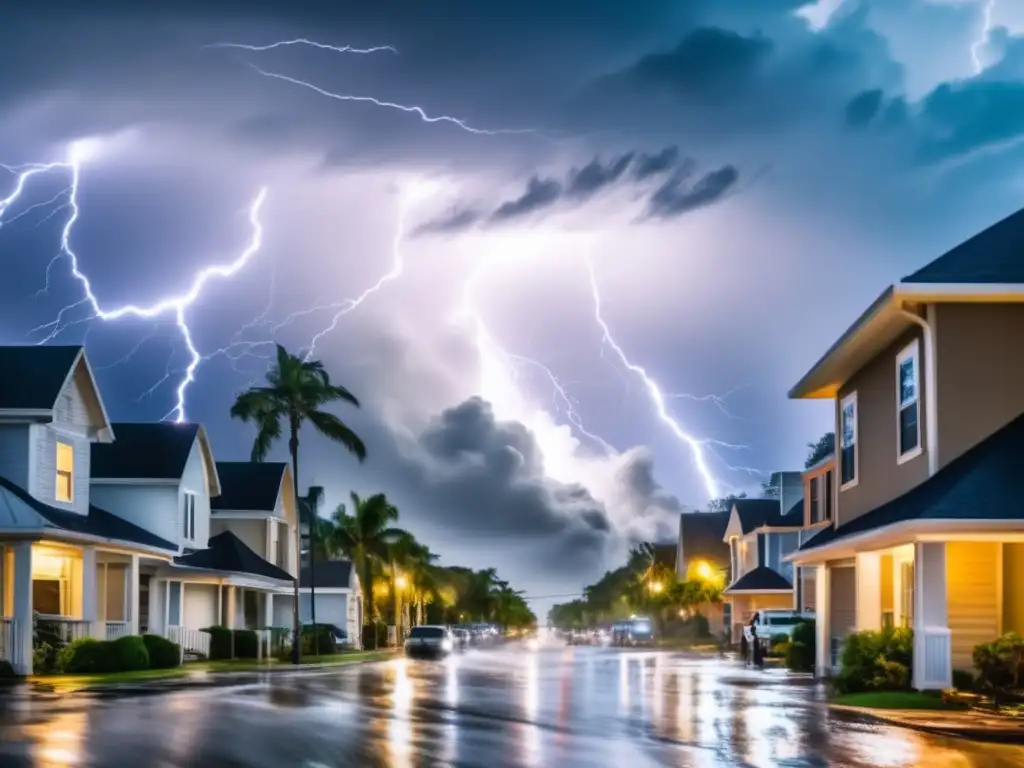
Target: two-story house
927, 532
819, 501
163, 476
761, 534
64, 558
703, 555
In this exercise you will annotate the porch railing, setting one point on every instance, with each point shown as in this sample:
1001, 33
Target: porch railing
63, 629
192, 641
932, 653
116, 629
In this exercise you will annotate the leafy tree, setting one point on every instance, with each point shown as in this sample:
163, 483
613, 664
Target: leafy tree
816, 451
724, 504
296, 391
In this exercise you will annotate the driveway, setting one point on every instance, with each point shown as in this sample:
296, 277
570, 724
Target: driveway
508, 707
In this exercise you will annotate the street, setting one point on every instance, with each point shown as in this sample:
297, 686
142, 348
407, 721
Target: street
508, 707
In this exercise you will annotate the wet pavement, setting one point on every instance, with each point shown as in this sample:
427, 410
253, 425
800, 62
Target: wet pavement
508, 707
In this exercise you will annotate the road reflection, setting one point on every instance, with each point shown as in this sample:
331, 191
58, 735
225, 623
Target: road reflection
505, 707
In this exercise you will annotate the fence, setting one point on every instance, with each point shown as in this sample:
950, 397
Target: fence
192, 641
116, 629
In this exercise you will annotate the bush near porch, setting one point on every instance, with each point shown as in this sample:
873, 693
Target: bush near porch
876, 661
126, 654
1000, 666
232, 643
801, 649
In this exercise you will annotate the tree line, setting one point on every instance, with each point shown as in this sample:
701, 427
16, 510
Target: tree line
390, 562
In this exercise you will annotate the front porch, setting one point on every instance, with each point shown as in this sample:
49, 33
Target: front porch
954, 593
59, 592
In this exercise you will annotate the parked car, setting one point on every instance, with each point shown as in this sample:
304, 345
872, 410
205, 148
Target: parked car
427, 640
771, 623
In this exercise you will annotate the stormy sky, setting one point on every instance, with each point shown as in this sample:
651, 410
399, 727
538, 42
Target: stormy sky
497, 219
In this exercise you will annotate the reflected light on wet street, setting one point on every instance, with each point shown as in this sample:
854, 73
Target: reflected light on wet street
587, 707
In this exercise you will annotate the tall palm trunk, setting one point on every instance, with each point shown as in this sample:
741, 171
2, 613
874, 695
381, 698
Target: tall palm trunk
293, 443
398, 604
366, 579
293, 447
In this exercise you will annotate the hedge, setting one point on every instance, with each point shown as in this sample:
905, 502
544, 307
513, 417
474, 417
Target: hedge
876, 661
163, 654
320, 638
232, 643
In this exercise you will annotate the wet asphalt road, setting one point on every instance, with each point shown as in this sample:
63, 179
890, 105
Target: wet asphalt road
509, 707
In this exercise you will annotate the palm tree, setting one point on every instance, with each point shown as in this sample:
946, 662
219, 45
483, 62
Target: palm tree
295, 392
365, 536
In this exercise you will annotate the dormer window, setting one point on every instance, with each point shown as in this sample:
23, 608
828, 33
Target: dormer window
189, 516
65, 486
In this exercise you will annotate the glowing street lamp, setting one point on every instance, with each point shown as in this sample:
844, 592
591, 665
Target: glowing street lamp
656, 587
401, 582
704, 570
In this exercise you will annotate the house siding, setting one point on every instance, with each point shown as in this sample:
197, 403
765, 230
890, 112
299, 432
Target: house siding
200, 606
972, 597
843, 601
195, 480
253, 533
155, 508
879, 477
980, 372
1013, 588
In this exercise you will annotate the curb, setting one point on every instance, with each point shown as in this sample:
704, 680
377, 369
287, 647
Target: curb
1014, 735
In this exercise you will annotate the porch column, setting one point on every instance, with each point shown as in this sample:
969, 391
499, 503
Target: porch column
229, 618
132, 601
268, 610
22, 630
933, 664
868, 590
90, 594
822, 625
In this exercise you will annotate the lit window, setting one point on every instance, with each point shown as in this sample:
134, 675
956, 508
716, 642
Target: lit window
908, 423
65, 490
848, 441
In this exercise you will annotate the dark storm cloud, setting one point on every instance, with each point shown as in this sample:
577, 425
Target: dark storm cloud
540, 193
651, 165
455, 220
675, 198
864, 107
595, 176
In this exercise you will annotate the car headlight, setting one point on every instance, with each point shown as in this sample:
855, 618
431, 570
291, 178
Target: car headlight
446, 644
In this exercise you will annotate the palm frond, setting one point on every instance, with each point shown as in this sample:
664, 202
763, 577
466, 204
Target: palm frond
330, 426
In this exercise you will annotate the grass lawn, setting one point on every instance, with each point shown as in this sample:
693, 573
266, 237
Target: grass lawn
67, 683
896, 700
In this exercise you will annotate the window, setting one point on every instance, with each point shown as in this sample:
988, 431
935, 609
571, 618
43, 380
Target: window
907, 593
65, 490
189, 516
848, 440
908, 407
828, 495
734, 559
814, 501
47, 596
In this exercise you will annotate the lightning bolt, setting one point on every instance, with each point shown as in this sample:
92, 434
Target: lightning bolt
305, 42
176, 305
987, 9
711, 485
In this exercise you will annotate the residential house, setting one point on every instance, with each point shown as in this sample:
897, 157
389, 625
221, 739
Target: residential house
819, 509
928, 393
339, 598
761, 534
163, 476
105, 529
702, 554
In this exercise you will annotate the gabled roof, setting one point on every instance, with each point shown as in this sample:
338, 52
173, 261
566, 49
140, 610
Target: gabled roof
702, 534
761, 579
246, 485
34, 376
227, 552
152, 451
330, 574
981, 484
991, 256
761, 513
19, 509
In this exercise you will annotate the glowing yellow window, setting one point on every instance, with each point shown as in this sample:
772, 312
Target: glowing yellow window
65, 472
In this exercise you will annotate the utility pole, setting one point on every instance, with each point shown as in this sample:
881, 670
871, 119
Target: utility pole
313, 500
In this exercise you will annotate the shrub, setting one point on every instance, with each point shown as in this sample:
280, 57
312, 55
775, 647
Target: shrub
246, 644
1000, 666
220, 642
963, 680
129, 653
375, 636
86, 656
874, 661
163, 654
320, 638
6, 670
799, 658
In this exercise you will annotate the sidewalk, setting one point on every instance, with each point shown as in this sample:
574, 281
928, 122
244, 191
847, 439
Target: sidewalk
970, 724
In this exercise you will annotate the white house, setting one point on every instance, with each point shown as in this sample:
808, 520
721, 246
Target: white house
105, 529
339, 599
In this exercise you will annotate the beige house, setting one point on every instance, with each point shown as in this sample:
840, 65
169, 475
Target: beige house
926, 530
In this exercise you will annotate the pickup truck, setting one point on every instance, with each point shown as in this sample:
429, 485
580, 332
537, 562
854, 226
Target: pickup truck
772, 623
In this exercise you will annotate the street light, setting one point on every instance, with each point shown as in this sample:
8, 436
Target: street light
704, 570
401, 582
657, 587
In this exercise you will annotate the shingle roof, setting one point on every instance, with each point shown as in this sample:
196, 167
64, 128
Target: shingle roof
150, 451
33, 376
329, 574
991, 256
758, 513
98, 522
702, 534
760, 579
227, 552
981, 484
246, 485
